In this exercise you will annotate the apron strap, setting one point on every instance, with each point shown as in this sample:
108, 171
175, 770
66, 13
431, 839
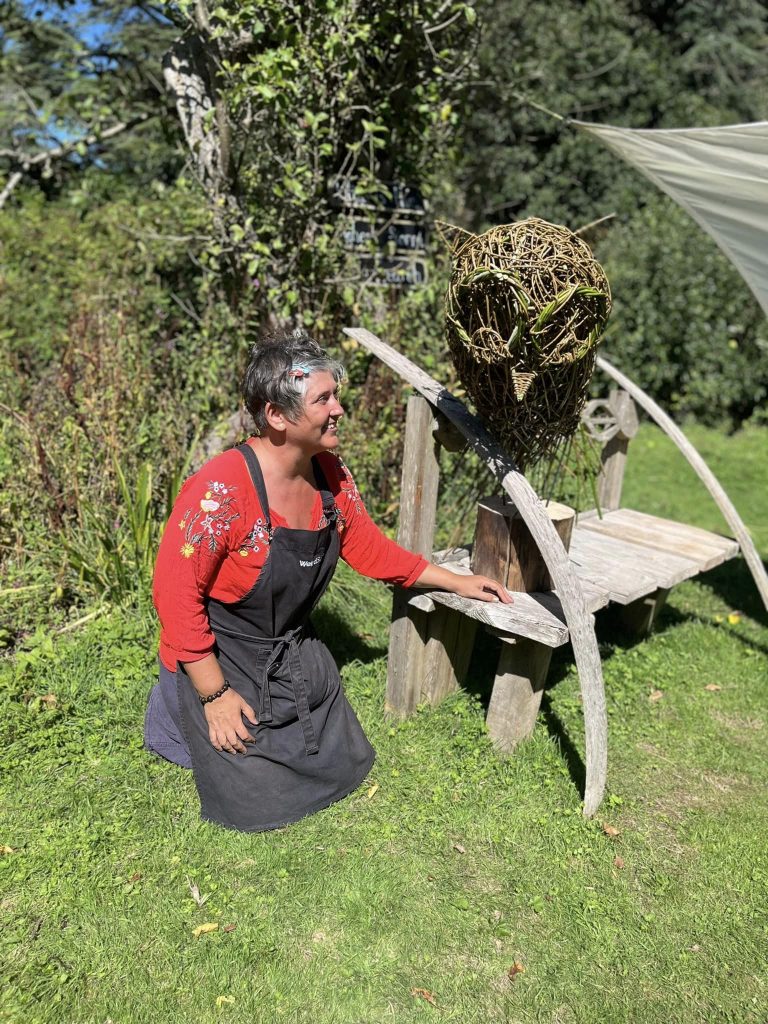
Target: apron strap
329, 503
258, 481
289, 645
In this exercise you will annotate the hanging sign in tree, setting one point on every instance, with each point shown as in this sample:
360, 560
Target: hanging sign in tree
387, 231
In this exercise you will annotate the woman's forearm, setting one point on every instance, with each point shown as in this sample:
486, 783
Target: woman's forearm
206, 675
481, 588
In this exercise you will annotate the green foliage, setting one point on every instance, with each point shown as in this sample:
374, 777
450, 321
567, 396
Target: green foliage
685, 326
311, 101
104, 374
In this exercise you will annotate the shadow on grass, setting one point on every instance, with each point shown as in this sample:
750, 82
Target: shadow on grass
733, 583
344, 644
480, 678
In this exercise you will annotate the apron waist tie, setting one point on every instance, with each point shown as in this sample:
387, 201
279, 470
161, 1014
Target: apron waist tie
288, 643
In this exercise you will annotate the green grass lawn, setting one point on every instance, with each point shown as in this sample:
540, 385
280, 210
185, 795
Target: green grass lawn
454, 885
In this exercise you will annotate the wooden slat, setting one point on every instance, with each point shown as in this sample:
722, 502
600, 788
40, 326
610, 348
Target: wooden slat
536, 616
605, 564
703, 548
408, 633
596, 596
627, 566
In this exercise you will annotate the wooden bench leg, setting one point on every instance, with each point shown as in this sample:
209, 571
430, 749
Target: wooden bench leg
638, 617
408, 638
449, 649
517, 692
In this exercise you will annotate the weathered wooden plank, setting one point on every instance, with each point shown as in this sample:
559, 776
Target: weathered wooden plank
629, 568
595, 595
580, 622
418, 508
532, 615
614, 453
517, 692
606, 565
679, 531
705, 549
703, 471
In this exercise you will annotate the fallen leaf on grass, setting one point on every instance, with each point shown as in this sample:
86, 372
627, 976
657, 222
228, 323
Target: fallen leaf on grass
611, 831
734, 617
618, 862
203, 929
51, 699
195, 893
514, 970
135, 876
423, 993
229, 927
459, 848
372, 791
6, 849
712, 687
655, 695
224, 1001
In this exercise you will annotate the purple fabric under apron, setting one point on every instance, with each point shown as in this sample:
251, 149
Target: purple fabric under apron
162, 723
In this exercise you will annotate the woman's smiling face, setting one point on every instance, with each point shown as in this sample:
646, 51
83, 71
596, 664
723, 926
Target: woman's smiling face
318, 424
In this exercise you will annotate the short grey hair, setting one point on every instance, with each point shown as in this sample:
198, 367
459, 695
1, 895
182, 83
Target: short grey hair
268, 374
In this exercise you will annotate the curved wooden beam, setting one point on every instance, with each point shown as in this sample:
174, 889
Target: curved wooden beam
704, 473
578, 618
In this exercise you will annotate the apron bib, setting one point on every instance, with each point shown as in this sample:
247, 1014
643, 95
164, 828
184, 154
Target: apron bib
309, 748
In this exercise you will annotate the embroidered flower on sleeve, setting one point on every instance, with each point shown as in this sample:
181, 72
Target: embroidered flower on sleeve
258, 532
210, 520
349, 488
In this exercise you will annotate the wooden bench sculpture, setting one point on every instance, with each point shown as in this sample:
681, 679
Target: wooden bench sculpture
620, 556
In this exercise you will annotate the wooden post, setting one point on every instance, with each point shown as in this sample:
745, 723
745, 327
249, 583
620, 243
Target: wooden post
451, 637
416, 531
638, 617
517, 691
505, 550
614, 454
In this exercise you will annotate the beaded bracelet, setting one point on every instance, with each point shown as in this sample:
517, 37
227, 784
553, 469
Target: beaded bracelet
213, 696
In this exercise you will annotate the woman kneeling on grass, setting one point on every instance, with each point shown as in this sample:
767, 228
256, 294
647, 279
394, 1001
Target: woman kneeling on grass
248, 696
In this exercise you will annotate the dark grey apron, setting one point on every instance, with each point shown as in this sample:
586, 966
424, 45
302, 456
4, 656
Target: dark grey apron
309, 748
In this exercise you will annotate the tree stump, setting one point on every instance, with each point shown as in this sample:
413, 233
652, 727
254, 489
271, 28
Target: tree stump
505, 550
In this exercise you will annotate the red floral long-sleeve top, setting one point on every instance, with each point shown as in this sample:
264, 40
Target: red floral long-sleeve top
215, 544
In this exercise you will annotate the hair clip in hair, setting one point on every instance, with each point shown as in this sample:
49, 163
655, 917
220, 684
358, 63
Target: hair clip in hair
299, 371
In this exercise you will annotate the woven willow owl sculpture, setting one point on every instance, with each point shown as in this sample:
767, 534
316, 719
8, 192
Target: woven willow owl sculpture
525, 309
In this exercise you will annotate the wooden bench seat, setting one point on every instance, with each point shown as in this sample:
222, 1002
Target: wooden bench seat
622, 556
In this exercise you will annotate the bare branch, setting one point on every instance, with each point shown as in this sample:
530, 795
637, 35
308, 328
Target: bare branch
24, 162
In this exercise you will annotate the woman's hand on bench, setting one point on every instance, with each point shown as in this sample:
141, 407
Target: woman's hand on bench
478, 588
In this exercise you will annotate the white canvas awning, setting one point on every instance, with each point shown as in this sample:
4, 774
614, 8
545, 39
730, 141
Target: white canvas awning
719, 175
